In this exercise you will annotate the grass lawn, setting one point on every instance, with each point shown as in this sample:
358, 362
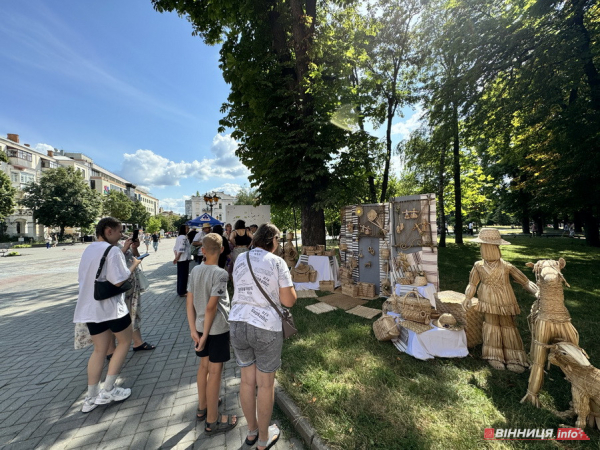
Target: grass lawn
363, 394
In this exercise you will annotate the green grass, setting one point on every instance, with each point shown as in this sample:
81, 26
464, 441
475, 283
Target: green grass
363, 394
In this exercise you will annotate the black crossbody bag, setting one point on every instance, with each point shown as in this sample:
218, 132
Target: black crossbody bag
287, 321
105, 289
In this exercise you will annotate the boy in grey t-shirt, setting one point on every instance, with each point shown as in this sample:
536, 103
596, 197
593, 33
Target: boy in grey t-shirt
208, 312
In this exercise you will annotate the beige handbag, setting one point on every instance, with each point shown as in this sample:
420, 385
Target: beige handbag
416, 308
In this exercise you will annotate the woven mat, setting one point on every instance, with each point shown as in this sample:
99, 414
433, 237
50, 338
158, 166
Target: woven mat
309, 293
415, 326
363, 311
320, 308
342, 301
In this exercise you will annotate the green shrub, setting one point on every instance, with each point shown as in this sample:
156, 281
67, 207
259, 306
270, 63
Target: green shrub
22, 246
13, 254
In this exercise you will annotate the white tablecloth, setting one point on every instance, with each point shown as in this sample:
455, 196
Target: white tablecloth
426, 291
437, 342
327, 268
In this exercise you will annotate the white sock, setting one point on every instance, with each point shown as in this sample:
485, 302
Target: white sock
93, 390
109, 383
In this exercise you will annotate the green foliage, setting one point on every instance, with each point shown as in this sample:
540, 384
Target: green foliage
7, 195
166, 222
3, 156
139, 214
153, 225
180, 221
247, 196
116, 204
283, 218
62, 198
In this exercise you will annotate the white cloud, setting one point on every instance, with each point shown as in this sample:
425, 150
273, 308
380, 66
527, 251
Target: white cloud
228, 188
43, 148
146, 168
412, 123
176, 205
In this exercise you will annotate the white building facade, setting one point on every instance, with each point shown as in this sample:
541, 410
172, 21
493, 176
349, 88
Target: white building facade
26, 165
196, 206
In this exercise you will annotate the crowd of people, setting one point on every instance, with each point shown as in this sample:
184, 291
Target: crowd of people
248, 322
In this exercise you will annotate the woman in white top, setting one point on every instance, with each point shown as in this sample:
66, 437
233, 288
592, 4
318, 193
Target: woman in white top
104, 316
182, 259
256, 333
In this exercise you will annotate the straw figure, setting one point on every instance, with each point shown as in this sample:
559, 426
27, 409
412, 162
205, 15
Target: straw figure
584, 379
549, 321
289, 252
490, 280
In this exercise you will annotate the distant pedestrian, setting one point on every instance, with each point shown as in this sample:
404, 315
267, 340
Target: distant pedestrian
240, 239
182, 260
102, 317
155, 241
197, 242
147, 240
218, 229
55, 241
48, 241
470, 227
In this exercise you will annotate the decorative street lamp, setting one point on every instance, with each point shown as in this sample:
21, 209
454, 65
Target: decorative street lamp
211, 200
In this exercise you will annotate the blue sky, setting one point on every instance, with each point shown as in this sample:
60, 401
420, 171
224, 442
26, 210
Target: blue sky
127, 86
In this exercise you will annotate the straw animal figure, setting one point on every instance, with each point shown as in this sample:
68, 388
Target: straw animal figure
289, 251
549, 321
490, 280
584, 379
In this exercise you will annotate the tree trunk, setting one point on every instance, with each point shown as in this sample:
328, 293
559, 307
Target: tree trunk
62, 233
555, 222
457, 189
388, 145
313, 226
525, 220
442, 213
586, 55
539, 221
592, 234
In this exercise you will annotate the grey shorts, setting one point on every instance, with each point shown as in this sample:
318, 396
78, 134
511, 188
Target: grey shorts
253, 345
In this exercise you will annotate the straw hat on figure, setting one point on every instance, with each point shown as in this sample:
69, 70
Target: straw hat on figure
490, 280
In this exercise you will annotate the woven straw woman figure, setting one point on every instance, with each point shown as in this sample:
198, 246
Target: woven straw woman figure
490, 280
289, 251
549, 321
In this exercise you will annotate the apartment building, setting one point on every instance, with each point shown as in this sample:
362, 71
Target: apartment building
26, 165
197, 206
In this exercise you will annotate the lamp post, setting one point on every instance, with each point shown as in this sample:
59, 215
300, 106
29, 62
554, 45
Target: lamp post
211, 200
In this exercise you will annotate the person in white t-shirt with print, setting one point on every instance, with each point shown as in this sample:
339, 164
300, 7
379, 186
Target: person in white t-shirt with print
104, 316
256, 332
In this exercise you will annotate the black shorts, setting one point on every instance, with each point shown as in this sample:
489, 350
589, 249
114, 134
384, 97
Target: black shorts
216, 348
115, 325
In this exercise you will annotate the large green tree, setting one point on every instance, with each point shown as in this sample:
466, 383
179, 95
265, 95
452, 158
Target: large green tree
116, 204
7, 198
62, 198
139, 214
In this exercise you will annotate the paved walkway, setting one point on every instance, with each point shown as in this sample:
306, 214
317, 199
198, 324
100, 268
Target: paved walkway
43, 379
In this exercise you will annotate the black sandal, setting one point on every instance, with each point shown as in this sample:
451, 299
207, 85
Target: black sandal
144, 346
201, 414
274, 435
252, 433
220, 427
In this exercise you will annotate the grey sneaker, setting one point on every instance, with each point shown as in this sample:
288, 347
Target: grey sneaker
89, 404
118, 394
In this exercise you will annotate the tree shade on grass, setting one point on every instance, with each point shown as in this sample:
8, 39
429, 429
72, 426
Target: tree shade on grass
363, 394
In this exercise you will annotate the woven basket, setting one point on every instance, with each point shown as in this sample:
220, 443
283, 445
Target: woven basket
385, 328
420, 280
320, 250
366, 290
415, 308
303, 273
343, 247
326, 285
309, 250
451, 302
345, 274
385, 251
350, 289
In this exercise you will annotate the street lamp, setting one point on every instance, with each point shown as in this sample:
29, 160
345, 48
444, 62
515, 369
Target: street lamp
211, 200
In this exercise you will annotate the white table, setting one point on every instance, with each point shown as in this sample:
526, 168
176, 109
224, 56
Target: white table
327, 268
426, 291
437, 342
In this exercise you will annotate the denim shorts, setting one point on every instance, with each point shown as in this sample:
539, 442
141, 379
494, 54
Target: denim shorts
253, 345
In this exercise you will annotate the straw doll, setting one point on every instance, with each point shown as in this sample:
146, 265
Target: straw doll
490, 280
289, 251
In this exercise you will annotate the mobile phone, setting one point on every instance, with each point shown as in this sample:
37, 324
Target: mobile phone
143, 256
135, 235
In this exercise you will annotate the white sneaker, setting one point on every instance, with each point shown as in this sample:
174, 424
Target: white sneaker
89, 404
118, 394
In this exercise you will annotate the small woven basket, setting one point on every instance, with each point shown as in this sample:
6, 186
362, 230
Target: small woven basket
391, 305
366, 290
420, 280
326, 285
385, 251
350, 289
385, 328
343, 247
